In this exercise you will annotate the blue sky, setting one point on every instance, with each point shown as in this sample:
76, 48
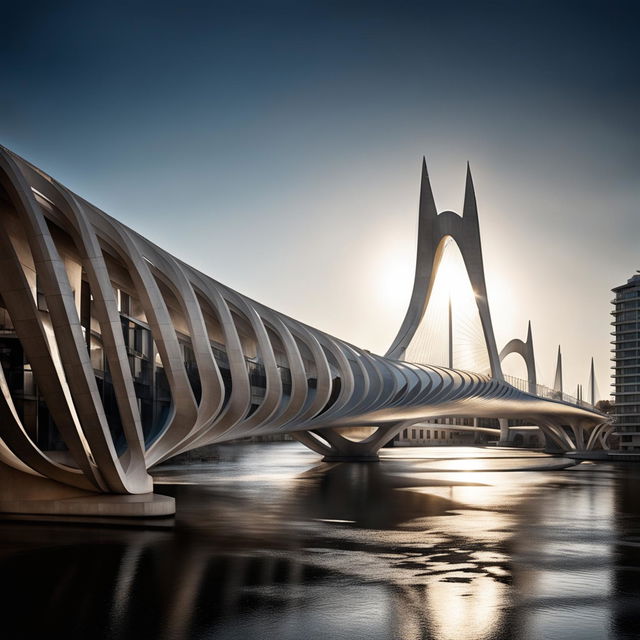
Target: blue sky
276, 146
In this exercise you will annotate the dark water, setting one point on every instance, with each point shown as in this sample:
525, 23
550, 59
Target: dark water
449, 543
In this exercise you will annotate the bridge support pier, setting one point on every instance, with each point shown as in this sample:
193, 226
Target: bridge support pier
504, 433
556, 438
334, 447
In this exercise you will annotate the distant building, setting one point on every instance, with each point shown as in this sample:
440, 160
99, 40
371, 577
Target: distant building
442, 432
430, 434
626, 363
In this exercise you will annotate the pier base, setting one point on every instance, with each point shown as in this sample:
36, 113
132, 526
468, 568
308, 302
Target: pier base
145, 505
26, 494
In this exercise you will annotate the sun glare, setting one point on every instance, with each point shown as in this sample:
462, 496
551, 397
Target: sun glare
451, 287
453, 281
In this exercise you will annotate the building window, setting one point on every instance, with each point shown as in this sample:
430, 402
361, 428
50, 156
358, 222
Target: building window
123, 302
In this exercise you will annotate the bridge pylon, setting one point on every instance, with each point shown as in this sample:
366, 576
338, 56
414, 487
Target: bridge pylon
433, 230
557, 381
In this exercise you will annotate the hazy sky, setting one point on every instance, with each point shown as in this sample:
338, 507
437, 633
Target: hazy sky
276, 146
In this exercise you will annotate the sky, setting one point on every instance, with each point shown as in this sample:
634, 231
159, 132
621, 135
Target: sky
276, 146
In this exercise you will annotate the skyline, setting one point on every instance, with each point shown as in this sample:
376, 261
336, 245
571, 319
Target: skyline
298, 145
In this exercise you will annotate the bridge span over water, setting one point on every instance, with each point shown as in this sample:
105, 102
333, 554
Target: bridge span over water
118, 356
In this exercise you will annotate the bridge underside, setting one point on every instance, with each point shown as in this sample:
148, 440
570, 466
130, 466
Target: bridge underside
565, 428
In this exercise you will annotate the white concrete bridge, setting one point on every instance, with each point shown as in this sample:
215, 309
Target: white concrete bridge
118, 356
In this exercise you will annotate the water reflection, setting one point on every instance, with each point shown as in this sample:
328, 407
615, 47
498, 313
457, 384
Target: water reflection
268, 542
469, 610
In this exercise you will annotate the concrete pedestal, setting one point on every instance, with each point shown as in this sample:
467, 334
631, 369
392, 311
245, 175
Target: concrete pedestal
23, 493
139, 506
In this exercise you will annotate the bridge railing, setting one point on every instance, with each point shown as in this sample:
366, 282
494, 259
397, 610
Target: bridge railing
546, 392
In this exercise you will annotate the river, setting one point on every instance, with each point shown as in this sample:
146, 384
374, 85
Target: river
269, 542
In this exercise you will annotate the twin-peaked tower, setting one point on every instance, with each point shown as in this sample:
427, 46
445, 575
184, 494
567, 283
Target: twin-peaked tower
433, 231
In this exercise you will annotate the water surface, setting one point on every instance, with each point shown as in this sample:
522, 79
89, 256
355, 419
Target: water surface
443, 543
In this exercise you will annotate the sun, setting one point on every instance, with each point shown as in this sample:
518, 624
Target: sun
452, 281
451, 295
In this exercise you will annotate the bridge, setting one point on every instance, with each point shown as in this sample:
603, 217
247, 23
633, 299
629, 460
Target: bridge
117, 356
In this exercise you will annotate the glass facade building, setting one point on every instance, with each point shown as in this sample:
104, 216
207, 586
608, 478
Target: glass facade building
626, 363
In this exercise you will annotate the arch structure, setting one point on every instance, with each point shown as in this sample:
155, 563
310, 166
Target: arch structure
433, 231
117, 356
525, 350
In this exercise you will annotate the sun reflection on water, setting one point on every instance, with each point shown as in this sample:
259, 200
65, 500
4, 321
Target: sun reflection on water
465, 610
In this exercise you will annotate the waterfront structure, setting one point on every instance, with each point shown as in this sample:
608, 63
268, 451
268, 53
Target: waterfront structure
461, 432
117, 356
433, 434
626, 363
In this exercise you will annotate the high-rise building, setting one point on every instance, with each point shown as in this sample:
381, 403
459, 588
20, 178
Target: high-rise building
626, 363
